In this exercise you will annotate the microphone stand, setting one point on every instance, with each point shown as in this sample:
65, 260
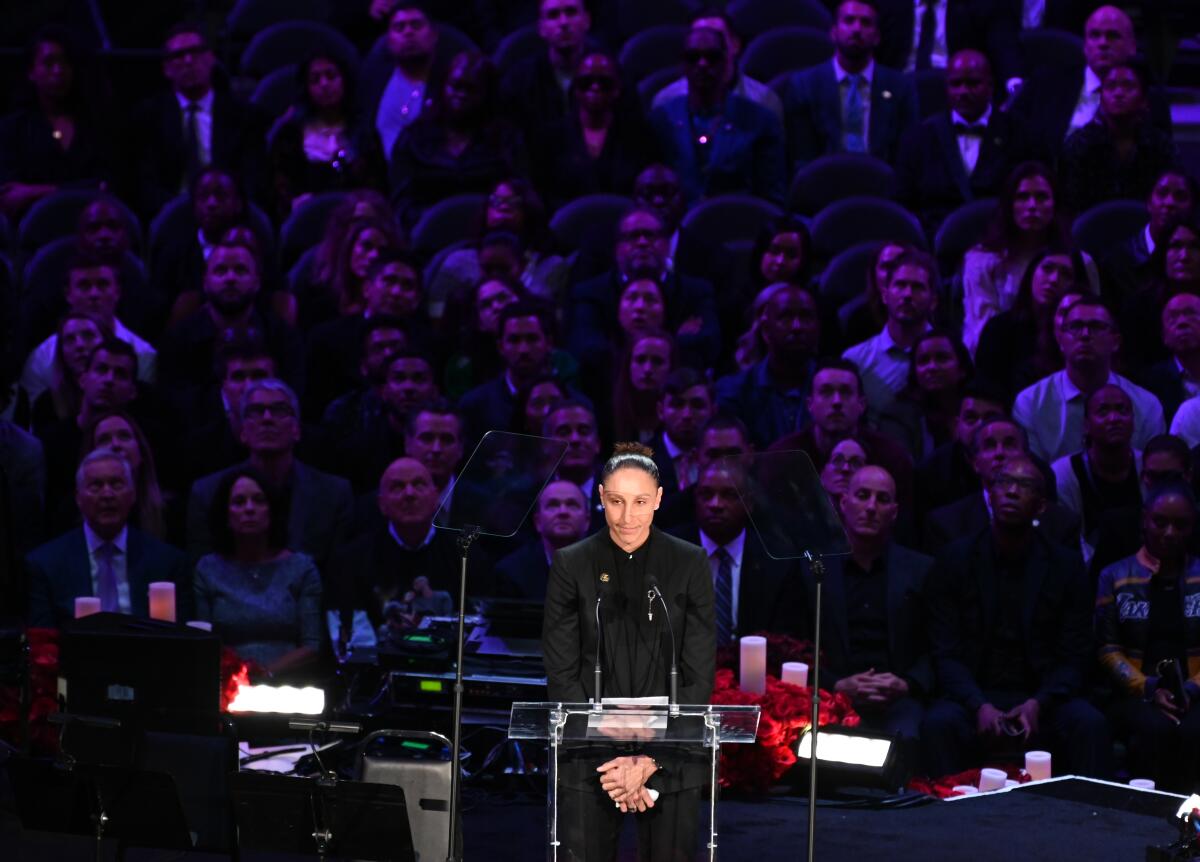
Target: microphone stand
673, 700
465, 539
818, 570
599, 672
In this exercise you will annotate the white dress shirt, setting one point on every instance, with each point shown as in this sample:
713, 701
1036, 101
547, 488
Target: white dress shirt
868, 74
734, 548
939, 55
969, 145
1088, 102
883, 365
1186, 423
38, 373
120, 564
204, 123
1051, 412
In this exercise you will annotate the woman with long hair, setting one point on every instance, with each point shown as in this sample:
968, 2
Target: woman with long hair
79, 333
645, 363
262, 599
120, 432
342, 294
1028, 217
924, 414
1018, 347
321, 144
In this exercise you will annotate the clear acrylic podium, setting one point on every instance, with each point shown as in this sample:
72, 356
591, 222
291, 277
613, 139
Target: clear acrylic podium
703, 726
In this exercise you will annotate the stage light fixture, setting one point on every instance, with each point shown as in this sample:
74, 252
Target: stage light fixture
285, 699
851, 757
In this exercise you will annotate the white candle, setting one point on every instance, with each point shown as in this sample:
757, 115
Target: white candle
203, 625
162, 601
754, 664
85, 606
965, 790
991, 779
795, 672
1142, 783
1037, 764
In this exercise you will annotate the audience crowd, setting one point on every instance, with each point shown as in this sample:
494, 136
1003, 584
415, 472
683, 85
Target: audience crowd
249, 344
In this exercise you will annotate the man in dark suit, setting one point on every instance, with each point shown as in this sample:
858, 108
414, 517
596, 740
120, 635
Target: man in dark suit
946, 475
753, 592
685, 404
381, 339
913, 42
105, 557
641, 251
321, 505
1128, 266
1056, 101
193, 125
719, 142
876, 650
599, 783
962, 154
560, 519
852, 104
1177, 379
574, 422
1010, 618
770, 396
996, 442
536, 88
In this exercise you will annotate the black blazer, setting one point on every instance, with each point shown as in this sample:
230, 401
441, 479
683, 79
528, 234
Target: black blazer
238, 144
569, 629
931, 178
970, 515
770, 595
58, 573
1165, 381
1057, 624
908, 642
985, 25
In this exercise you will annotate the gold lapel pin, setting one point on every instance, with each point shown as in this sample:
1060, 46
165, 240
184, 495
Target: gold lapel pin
604, 577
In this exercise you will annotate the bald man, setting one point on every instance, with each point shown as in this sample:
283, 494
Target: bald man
1058, 100
872, 623
963, 153
561, 518
384, 564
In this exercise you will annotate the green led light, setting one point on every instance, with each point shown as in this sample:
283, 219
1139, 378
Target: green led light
431, 685
419, 746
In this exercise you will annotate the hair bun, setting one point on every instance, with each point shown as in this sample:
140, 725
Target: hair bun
633, 448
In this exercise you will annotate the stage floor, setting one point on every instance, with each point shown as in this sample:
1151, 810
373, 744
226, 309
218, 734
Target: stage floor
1094, 822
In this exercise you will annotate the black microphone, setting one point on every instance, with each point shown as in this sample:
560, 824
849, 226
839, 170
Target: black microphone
605, 590
656, 593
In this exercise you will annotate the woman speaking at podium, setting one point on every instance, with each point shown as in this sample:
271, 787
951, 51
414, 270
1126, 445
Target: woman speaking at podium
620, 566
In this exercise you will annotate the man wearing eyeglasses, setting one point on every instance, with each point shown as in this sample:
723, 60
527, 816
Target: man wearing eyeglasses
1051, 410
1010, 622
193, 125
321, 505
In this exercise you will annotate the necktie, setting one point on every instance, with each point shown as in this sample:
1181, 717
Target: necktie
723, 596
855, 117
106, 578
191, 140
925, 42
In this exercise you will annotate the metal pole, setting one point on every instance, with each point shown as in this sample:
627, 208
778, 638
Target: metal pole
454, 853
818, 570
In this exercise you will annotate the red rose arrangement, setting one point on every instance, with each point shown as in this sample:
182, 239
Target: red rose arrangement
784, 713
943, 787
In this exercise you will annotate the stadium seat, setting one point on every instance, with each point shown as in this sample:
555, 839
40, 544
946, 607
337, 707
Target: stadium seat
754, 17
651, 50
516, 46
57, 215
650, 85
1050, 48
277, 91
305, 226
961, 230
845, 278
292, 42
733, 221
590, 220
176, 215
248, 17
832, 178
636, 16
1106, 225
785, 49
445, 222
860, 219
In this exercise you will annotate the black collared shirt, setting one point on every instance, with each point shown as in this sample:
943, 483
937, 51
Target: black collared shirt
866, 616
635, 664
